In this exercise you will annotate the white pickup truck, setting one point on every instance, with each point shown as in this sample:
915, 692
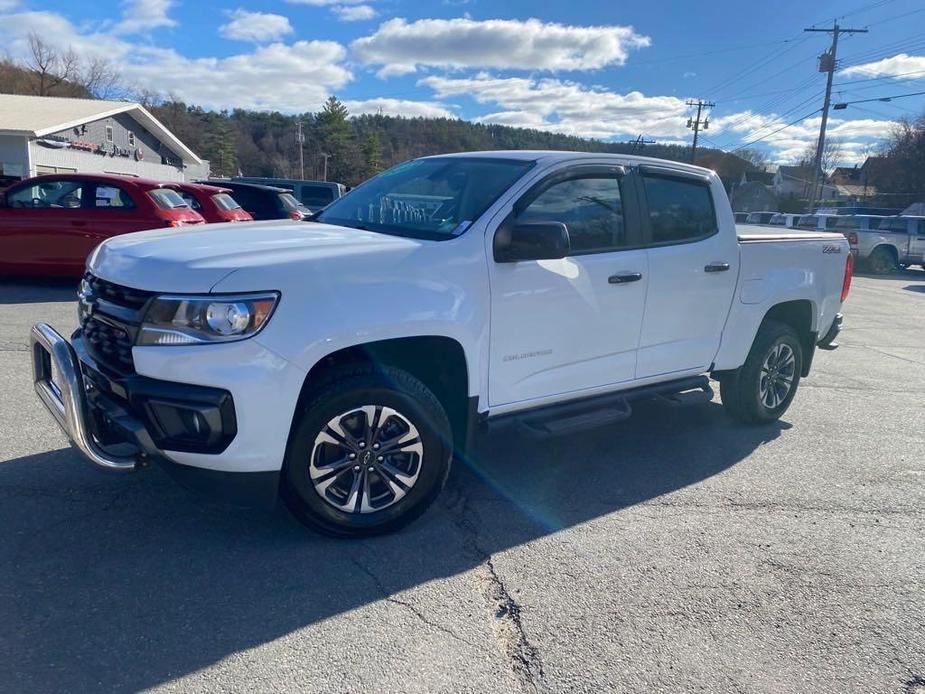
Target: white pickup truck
340, 364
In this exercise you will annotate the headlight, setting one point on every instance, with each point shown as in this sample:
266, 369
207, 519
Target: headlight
189, 320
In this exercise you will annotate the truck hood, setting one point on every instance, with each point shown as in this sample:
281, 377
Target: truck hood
194, 260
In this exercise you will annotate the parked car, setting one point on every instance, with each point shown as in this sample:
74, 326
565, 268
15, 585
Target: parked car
265, 202
313, 194
214, 203
896, 242
818, 222
50, 224
340, 364
741, 217
782, 219
759, 217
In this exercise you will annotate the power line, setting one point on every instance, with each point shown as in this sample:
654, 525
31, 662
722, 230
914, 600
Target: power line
783, 127
844, 104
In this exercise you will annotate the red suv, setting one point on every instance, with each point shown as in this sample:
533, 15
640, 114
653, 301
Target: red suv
215, 204
49, 224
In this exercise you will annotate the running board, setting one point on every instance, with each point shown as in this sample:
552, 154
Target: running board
601, 410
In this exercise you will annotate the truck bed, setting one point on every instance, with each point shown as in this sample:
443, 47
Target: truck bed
756, 233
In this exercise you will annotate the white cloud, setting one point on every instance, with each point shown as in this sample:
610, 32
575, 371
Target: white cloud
401, 47
144, 15
567, 107
8, 5
293, 77
354, 13
258, 27
791, 143
399, 107
896, 66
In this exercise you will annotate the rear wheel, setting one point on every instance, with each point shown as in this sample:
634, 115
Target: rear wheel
763, 388
369, 453
882, 261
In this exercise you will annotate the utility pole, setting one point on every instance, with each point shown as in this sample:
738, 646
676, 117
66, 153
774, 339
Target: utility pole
696, 124
827, 64
640, 142
326, 157
301, 140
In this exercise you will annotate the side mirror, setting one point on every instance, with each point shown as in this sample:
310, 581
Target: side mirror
531, 241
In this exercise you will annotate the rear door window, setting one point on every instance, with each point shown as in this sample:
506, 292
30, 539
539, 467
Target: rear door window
680, 210
112, 197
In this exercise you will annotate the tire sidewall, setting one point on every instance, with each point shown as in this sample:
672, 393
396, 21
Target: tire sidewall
375, 389
750, 378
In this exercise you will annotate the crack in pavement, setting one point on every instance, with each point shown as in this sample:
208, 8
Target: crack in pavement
388, 597
524, 657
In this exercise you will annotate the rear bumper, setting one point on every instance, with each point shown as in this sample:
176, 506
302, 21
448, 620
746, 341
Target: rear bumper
144, 419
828, 340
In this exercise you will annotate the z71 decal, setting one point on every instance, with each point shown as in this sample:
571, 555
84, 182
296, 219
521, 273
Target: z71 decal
831, 249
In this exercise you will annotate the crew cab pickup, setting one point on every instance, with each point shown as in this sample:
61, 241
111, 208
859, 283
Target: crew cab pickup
892, 243
341, 364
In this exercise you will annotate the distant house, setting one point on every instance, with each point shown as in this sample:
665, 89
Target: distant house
765, 178
846, 176
753, 196
793, 181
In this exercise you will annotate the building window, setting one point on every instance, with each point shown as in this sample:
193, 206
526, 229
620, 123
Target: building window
108, 133
131, 139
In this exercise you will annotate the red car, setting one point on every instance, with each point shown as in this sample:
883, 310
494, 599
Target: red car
49, 224
215, 204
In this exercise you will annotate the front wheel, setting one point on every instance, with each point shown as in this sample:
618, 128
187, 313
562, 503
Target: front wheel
369, 453
762, 389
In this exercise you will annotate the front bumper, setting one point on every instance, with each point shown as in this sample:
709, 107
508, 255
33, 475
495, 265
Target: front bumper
144, 419
60, 386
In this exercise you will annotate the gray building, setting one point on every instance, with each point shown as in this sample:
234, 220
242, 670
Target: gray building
43, 135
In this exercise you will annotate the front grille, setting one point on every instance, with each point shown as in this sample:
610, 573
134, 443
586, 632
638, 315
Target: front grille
109, 345
109, 318
117, 294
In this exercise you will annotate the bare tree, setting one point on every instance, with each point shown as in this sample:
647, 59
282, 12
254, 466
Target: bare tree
50, 67
755, 157
65, 73
101, 78
832, 155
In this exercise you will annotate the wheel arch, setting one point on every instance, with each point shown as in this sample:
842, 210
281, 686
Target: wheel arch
438, 361
800, 315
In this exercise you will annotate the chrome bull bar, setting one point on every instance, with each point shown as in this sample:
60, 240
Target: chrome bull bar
66, 398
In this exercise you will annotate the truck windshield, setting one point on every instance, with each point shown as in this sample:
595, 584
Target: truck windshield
433, 198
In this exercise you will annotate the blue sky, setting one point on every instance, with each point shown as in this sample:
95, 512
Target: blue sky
612, 70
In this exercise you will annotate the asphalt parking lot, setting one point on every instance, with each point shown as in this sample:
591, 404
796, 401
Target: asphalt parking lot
676, 551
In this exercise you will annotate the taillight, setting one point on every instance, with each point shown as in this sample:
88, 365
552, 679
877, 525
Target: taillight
853, 238
295, 214
849, 273
175, 223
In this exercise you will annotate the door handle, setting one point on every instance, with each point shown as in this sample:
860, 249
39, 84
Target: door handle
716, 267
624, 277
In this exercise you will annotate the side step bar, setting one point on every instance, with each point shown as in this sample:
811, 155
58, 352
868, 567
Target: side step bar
601, 410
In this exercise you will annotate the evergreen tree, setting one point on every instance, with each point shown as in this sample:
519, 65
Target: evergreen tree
372, 154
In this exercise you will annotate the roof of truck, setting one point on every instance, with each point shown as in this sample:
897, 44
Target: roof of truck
559, 155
